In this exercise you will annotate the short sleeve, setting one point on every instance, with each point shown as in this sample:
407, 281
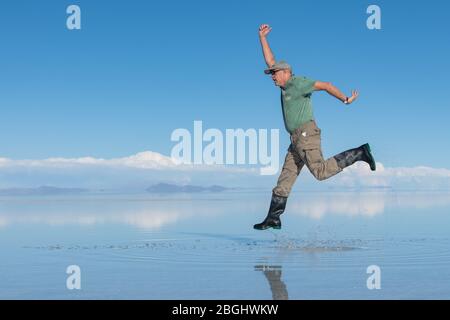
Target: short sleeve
305, 86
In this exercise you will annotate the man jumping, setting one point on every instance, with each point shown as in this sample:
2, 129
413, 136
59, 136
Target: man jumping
305, 148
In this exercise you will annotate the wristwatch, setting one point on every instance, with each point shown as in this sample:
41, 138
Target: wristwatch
346, 100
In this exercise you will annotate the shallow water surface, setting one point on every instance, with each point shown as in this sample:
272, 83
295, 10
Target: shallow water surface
203, 246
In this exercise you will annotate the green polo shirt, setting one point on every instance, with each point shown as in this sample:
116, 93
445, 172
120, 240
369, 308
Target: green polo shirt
296, 102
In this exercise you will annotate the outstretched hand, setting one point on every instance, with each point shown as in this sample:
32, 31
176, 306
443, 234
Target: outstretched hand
264, 30
354, 96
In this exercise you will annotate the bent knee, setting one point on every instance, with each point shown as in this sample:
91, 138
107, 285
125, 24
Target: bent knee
320, 177
319, 173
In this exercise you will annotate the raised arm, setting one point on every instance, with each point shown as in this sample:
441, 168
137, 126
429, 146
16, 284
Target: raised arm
264, 30
335, 92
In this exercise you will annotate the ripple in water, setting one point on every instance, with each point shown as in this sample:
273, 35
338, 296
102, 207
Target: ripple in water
211, 249
240, 250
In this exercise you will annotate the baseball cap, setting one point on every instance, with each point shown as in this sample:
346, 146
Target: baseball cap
280, 65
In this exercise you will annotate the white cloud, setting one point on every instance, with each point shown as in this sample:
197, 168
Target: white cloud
362, 169
4, 162
142, 160
360, 175
150, 167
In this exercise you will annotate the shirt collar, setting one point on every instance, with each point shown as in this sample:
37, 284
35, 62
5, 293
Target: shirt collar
289, 83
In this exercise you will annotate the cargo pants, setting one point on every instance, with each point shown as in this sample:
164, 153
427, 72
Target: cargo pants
305, 149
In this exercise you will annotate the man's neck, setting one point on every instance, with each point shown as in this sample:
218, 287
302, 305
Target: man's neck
284, 86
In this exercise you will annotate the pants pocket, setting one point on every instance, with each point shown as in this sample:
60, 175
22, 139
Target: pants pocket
310, 142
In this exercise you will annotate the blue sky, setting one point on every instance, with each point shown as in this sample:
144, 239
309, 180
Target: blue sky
140, 69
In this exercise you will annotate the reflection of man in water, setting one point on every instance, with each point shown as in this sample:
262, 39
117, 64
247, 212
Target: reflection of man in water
305, 148
277, 286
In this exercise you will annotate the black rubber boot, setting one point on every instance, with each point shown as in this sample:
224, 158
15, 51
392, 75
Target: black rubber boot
277, 206
349, 157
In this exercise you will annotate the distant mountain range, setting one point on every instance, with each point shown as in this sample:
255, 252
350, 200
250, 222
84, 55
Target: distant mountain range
172, 188
157, 188
40, 191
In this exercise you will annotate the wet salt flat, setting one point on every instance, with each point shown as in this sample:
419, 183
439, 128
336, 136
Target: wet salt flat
203, 246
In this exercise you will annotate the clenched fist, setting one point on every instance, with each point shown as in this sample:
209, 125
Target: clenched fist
264, 30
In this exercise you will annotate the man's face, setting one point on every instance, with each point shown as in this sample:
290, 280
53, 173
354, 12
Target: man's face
280, 77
